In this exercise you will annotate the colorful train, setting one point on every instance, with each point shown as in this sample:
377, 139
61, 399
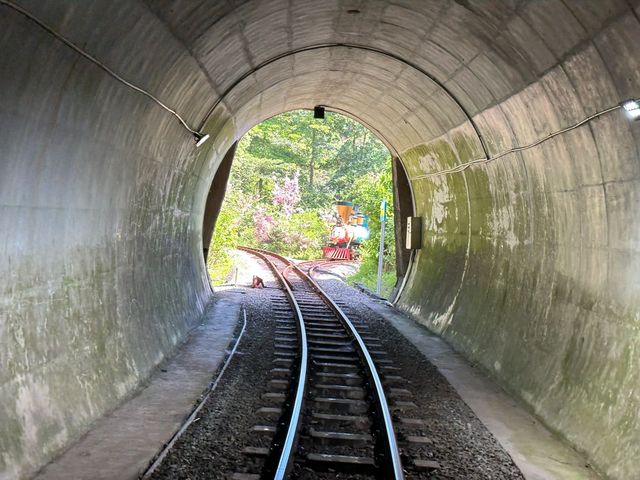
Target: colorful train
350, 230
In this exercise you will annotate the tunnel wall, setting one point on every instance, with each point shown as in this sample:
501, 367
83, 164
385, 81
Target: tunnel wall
530, 264
101, 201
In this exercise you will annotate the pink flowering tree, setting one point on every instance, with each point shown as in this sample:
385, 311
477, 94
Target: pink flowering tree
281, 225
263, 223
288, 194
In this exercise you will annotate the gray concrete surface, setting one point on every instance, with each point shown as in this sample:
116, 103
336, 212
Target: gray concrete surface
536, 451
122, 444
529, 265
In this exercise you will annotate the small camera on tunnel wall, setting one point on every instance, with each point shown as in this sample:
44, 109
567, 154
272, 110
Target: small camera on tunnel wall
414, 233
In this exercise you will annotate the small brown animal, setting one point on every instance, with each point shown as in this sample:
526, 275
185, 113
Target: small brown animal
257, 282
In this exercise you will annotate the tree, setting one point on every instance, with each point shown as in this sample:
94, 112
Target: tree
287, 175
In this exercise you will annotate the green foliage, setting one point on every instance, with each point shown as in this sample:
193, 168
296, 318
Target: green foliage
369, 190
299, 236
337, 159
225, 234
328, 153
367, 274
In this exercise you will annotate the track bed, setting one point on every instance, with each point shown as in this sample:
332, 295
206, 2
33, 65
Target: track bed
241, 430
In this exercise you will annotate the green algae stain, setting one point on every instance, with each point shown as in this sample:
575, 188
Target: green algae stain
465, 146
429, 158
443, 202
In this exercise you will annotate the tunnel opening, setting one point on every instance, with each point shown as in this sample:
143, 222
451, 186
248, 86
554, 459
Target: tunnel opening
314, 163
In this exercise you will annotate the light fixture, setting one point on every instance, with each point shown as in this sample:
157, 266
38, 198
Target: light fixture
632, 107
201, 138
318, 112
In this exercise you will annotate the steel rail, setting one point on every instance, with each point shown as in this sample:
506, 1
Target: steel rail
389, 432
321, 264
285, 461
313, 264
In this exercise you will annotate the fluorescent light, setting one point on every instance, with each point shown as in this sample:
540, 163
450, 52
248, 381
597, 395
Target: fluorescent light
200, 138
634, 114
632, 107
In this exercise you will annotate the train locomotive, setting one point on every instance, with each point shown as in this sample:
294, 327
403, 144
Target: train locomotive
350, 230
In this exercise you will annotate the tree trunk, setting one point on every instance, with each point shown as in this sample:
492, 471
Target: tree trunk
313, 158
362, 144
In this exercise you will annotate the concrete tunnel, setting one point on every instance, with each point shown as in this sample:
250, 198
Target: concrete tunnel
504, 114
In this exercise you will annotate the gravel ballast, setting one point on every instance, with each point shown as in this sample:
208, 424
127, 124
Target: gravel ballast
460, 443
212, 447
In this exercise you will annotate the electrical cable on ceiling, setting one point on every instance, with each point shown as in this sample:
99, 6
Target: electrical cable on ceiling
200, 137
481, 161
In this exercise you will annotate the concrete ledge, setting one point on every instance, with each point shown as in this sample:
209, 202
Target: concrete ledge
538, 453
122, 444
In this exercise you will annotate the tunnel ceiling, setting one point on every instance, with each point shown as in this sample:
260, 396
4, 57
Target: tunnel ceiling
434, 56
529, 263
411, 70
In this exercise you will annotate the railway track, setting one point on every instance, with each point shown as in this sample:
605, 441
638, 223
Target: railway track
326, 410
273, 419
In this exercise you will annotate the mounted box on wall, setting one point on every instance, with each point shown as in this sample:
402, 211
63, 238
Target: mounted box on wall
414, 233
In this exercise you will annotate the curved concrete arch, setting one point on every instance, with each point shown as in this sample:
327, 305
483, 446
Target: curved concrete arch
349, 102
532, 259
366, 48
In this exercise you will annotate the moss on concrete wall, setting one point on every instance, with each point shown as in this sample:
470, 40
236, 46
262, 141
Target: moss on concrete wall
545, 298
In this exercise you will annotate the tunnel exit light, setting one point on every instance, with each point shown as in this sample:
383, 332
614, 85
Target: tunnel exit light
632, 107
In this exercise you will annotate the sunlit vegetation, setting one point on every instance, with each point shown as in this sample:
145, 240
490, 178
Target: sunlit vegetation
287, 175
